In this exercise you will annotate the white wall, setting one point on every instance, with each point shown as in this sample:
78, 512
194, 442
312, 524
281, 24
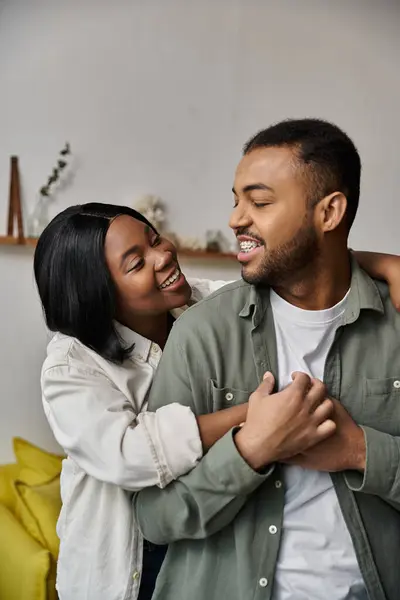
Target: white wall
159, 97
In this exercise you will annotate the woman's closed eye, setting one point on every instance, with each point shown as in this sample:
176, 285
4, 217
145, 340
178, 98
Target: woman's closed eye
135, 265
156, 240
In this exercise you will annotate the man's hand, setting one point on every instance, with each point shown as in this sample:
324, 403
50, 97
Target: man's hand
344, 450
282, 425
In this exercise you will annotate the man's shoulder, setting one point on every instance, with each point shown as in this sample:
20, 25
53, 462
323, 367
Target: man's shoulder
228, 301
387, 319
390, 310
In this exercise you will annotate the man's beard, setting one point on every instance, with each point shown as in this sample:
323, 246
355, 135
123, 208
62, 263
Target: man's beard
289, 262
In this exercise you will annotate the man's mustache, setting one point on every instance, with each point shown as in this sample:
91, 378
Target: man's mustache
244, 231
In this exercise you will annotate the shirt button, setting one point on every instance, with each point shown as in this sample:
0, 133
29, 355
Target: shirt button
396, 384
136, 576
263, 582
272, 529
229, 396
278, 483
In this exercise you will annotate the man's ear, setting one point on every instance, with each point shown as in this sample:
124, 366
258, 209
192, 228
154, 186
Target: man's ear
332, 211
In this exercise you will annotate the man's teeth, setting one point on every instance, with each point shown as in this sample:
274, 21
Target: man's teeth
248, 246
171, 279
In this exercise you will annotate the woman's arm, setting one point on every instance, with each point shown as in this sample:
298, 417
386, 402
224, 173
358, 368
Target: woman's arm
96, 425
214, 426
383, 266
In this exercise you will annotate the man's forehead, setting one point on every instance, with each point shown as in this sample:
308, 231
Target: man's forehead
265, 165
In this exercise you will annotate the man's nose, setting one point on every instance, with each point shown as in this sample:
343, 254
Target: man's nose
239, 217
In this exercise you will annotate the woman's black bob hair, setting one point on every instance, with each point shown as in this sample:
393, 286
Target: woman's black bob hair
74, 283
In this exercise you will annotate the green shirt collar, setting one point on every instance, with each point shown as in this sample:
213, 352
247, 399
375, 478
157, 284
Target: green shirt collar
364, 295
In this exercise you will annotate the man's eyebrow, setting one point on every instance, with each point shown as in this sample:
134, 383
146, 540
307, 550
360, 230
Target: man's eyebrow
255, 186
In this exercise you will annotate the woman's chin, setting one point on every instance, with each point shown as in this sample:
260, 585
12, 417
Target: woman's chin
177, 293
183, 297
179, 297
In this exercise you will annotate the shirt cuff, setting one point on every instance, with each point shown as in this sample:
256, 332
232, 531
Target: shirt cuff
231, 470
174, 438
382, 460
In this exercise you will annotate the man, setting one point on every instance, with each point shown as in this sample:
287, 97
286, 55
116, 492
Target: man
303, 501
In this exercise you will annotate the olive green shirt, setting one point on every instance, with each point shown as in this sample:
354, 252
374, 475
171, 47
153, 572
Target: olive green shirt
223, 521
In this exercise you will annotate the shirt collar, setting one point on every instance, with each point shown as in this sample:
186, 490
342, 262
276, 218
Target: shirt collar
141, 345
363, 295
256, 304
251, 302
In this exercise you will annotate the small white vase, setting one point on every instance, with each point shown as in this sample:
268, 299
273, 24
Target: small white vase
39, 218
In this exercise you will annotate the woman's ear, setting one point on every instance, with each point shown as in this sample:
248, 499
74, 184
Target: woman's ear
332, 211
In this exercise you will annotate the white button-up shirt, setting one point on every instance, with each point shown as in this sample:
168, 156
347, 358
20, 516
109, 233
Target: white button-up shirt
97, 411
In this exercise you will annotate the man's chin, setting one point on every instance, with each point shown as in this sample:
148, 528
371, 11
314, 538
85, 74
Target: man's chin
250, 275
258, 277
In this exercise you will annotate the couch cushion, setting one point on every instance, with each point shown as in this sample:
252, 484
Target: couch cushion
8, 474
25, 565
38, 508
36, 465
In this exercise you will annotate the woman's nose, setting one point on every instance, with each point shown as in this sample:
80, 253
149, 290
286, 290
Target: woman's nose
162, 259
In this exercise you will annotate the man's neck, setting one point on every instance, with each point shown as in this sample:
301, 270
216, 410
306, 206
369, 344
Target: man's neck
322, 284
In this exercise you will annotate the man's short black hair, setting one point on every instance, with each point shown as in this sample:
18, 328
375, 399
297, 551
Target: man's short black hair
328, 157
74, 283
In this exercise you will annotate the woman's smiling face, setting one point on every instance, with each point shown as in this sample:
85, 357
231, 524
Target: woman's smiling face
144, 269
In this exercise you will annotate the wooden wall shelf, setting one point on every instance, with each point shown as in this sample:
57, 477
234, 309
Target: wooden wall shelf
204, 255
8, 240
18, 239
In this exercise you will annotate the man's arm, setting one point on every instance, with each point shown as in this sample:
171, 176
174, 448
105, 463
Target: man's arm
368, 458
209, 497
202, 502
381, 475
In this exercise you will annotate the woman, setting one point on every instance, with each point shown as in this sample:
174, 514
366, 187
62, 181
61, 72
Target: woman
111, 287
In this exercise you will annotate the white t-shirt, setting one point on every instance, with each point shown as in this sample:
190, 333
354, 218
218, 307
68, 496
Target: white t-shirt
317, 558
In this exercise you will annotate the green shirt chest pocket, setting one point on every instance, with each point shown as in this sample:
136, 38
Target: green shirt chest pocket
225, 397
381, 404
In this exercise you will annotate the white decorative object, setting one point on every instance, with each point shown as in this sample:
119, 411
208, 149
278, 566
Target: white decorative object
216, 241
152, 207
40, 217
190, 243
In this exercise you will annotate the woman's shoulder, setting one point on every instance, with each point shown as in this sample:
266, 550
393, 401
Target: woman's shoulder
68, 352
201, 288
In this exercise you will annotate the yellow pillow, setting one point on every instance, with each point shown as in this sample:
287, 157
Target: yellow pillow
37, 465
51, 582
25, 565
8, 474
38, 508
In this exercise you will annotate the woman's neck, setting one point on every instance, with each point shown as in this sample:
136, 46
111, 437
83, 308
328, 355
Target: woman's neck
155, 328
